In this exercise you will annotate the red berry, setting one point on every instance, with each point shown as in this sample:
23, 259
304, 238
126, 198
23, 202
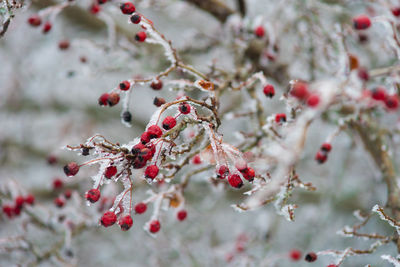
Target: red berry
51, 159
110, 172
136, 18
19, 201
181, 215
17, 210
95, 8
145, 138
311, 257
154, 226
103, 99
299, 90
223, 171
140, 208
57, 183
321, 157
396, 11
8, 210
184, 108
124, 85
154, 131
361, 22
127, 8
332, 265
67, 194
156, 85
235, 181
363, 74
295, 254
113, 99
71, 169
140, 36
379, 94
35, 20
93, 195
392, 102
259, 31
169, 123
313, 101
248, 174
63, 45
47, 27
151, 171
326, 147
30, 199
108, 219
269, 90
59, 202
159, 101
281, 117
196, 160
125, 222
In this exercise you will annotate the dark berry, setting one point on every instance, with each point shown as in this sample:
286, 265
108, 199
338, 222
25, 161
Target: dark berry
103, 99
159, 101
181, 215
127, 116
113, 99
127, 8
124, 85
156, 85
311, 257
281, 117
71, 169
35, 20
136, 18
154, 226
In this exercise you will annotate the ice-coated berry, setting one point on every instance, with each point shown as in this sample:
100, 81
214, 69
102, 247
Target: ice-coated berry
108, 219
140, 208
71, 169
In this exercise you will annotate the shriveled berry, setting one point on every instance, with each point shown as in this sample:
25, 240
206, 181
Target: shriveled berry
311, 257
169, 122
35, 20
125, 222
361, 22
140, 36
154, 226
140, 208
295, 254
108, 219
85, 151
151, 171
248, 174
63, 45
125, 85
196, 160
113, 99
110, 172
145, 137
57, 183
181, 215
379, 94
29, 199
154, 131
156, 85
19, 201
59, 202
259, 31
235, 181
223, 171
136, 18
93, 195
363, 74
71, 169
184, 108
281, 117
269, 90
321, 157
127, 8
103, 99
392, 102
313, 100
327, 147
127, 116
299, 90
159, 101
47, 27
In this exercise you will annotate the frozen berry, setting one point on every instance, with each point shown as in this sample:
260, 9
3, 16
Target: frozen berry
124, 85
269, 90
154, 131
156, 85
140, 36
378, 93
59, 202
248, 174
151, 171
136, 18
108, 219
295, 254
103, 99
35, 20
71, 169
169, 123
125, 222
184, 108
145, 138
51, 159
127, 8
223, 171
311, 257
392, 102
110, 172
93, 195
113, 99
47, 27
321, 157
299, 90
30, 199
181, 215
154, 226
327, 147
281, 117
140, 208
313, 100
159, 101
259, 31
235, 181
67, 194
361, 22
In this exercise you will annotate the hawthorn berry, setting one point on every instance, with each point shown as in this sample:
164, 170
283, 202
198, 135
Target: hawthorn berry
110, 172
332, 265
57, 183
169, 123
259, 31
295, 254
125, 222
159, 101
113, 99
269, 90
95, 8
29, 199
248, 174
363, 74
127, 8
103, 99
326, 147
311, 257
136, 18
17, 210
19, 201
392, 102
59, 202
184, 108
196, 160
140, 36
281, 117
151, 171
63, 45
8, 210
67, 194
378, 93
154, 131
145, 138
361, 22
71, 169
154, 226
235, 181
35, 20
93, 195
140, 208
395, 11
108, 219
181, 215
321, 157
299, 90
156, 85
125, 85
127, 116
223, 171
313, 100
47, 27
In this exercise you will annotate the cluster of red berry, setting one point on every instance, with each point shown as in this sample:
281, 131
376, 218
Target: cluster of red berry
13, 210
